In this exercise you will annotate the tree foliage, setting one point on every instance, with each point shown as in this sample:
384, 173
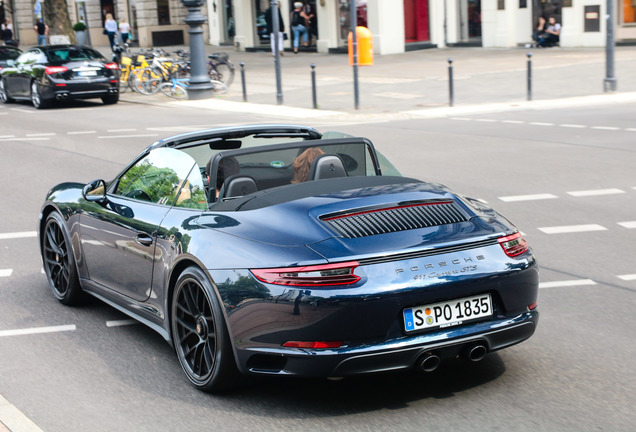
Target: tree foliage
57, 18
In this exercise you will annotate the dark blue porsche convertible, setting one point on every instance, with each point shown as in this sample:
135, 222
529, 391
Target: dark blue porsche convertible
279, 250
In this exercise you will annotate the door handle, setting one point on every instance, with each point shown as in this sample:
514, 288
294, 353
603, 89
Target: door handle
144, 239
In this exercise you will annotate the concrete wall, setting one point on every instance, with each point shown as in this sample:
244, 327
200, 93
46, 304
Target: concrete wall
572, 34
386, 23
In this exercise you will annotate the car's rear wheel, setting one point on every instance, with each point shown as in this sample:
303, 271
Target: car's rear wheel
200, 335
36, 96
59, 262
4, 95
110, 99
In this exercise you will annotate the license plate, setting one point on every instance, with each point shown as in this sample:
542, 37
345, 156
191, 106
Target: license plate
87, 73
446, 314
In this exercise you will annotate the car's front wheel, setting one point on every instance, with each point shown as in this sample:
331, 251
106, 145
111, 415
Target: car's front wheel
200, 335
36, 96
59, 262
4, 95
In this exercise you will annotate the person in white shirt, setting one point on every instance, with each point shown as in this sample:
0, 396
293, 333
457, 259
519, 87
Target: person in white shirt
110, 26
124, 30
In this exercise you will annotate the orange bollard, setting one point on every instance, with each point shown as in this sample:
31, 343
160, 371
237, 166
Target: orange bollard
364, 40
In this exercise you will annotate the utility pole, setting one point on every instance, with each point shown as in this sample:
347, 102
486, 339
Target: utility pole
354, 47
609, 84
275, 33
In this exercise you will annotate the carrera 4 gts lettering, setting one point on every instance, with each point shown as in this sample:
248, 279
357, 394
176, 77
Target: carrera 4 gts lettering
440, 268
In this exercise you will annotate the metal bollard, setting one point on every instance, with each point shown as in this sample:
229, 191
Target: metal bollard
243, 82
529, 76
451, 93
313, 86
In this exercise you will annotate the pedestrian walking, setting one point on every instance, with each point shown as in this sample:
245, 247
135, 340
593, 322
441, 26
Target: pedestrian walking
7, 30
124, 30
299, 20
42, 31
269, 21
110, 28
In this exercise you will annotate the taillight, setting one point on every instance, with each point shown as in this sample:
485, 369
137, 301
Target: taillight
50, 70
318, 275
532, 306
513, 245
112, 66
314, 345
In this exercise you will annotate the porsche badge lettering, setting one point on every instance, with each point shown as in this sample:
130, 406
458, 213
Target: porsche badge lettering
443, 268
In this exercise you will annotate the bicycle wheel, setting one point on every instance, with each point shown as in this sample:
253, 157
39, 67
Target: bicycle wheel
223, 72
219, 87
146, 81
175, 90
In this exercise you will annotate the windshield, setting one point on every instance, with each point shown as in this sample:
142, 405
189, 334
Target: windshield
68, 54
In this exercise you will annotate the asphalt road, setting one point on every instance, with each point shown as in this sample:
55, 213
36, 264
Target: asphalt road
565, 177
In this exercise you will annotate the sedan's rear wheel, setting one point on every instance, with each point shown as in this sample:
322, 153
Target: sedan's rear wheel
4, 95
59, 262
110, 99
36, 96
199, 333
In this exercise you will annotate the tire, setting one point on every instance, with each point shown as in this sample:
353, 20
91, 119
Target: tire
4, 96
147, 82
36, 96
59, 261
110, 99
200, 335
219, 87
223, 72
176, 91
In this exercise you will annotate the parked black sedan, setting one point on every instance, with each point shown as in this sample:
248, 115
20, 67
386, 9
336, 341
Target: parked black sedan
8, 53
59, 72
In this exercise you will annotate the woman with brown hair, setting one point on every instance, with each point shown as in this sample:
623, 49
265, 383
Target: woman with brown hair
302, 164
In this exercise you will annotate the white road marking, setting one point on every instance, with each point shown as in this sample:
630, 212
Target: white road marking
38, 330
513, 121
527, 197
127, 136
627, 277
26, 139
631, 129
121, 130
629, 224
81, 132
119, 323
572, 229
14, 419
612, 128
461, 118
577, 126
15, 235
567, 283
596, 192
41, 134
541, 124
7, 136
6, 272
486, 120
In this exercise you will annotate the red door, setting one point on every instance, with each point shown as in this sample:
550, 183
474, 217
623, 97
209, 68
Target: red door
416, 20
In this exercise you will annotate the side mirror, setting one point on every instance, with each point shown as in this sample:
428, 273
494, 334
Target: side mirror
95, 191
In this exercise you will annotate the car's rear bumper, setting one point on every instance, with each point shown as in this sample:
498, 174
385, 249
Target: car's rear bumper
391, 355
58, 91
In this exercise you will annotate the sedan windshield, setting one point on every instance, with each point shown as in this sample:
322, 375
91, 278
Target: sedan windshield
68, 54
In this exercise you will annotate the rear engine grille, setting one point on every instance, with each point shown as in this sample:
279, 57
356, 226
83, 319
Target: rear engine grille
368, 222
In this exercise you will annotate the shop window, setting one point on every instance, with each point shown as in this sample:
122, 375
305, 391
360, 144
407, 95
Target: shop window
163, 12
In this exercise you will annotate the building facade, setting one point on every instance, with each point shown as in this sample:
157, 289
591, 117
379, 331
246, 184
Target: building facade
396, 25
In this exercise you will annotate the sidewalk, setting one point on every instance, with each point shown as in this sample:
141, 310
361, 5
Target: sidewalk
418, 80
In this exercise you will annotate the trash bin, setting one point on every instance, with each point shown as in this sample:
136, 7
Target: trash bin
365, 47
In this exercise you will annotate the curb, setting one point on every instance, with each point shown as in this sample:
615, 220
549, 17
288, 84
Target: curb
14, 420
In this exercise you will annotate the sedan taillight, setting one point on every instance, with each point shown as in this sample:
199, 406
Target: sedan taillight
50, 70
513, 245
112, 66
318, 275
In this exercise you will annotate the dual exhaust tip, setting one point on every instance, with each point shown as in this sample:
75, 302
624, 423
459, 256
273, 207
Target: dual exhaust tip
430, 361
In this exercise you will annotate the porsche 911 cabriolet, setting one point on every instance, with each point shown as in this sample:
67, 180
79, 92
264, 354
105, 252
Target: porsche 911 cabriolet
278, 250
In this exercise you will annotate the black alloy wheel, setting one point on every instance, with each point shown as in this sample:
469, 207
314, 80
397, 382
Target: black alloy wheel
36, 96
59, 262
4, 96
199, 333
